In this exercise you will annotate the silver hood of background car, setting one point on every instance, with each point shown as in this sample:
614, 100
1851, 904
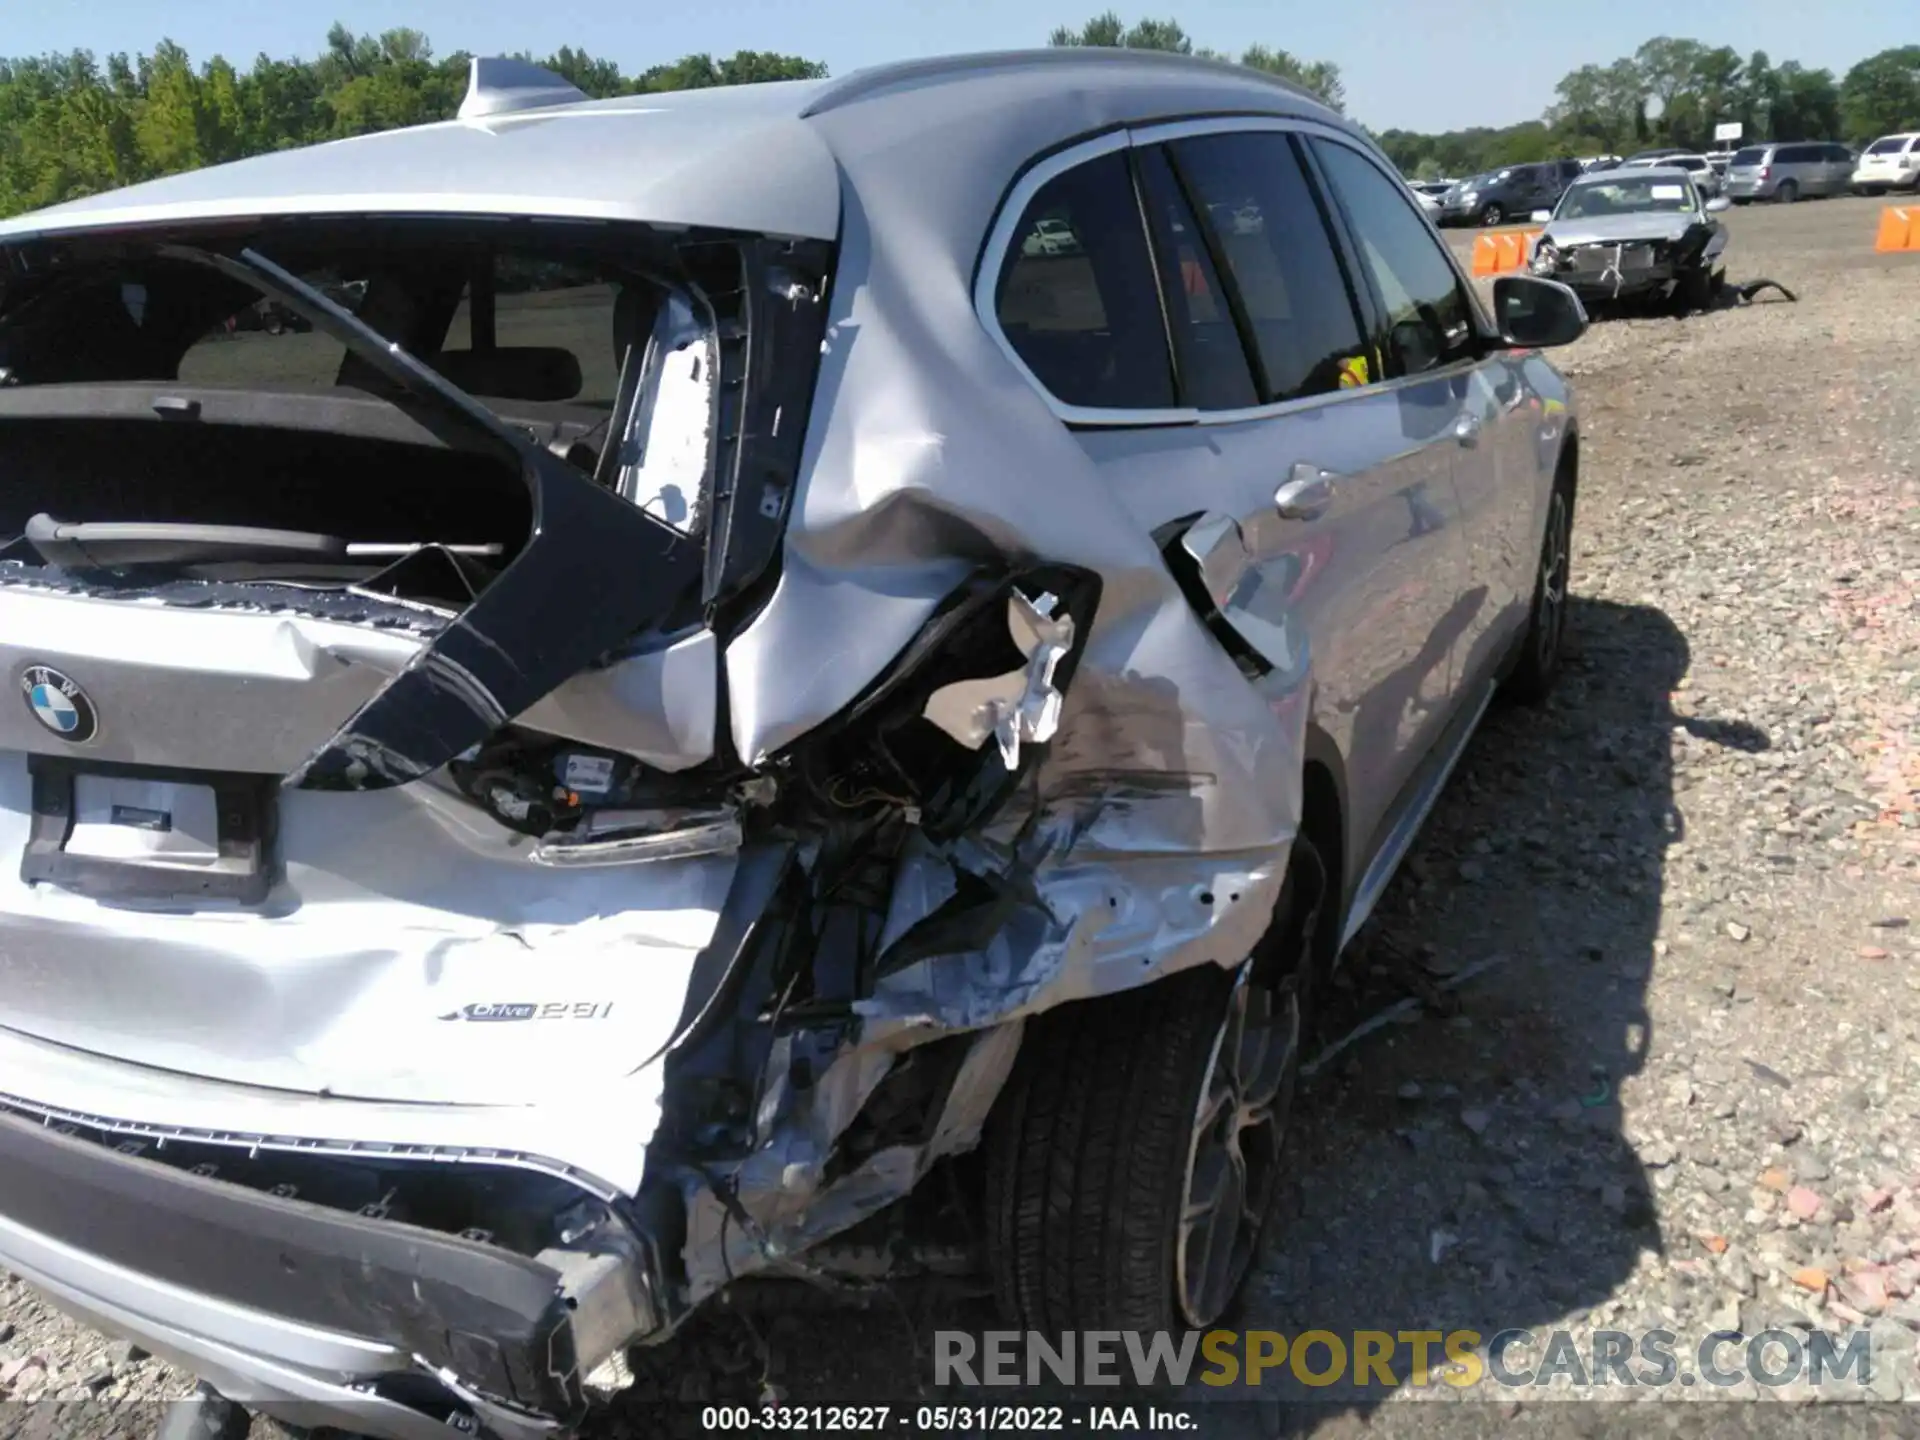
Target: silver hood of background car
1619, 229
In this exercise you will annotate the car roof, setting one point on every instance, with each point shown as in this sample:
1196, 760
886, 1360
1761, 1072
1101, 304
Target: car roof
681, 157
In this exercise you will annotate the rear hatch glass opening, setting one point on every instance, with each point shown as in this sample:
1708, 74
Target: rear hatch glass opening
140, 388
566, 436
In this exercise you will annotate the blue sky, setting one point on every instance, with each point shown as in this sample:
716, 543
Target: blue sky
1412, 64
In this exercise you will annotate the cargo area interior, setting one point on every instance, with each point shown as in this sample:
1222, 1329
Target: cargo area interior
334, 466
147, 382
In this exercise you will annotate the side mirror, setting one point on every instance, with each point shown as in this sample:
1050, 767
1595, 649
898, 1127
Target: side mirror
1718, 203
1542, 217
1536, 314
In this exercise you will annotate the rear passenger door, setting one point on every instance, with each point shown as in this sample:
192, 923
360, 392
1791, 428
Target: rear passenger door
1338, 488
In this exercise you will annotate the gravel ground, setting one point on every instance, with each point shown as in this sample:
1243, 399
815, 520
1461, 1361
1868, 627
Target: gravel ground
1684, 1094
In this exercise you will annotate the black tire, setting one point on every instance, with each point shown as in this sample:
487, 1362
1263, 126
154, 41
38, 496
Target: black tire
1491, 214
1873, 190
1530, 681
1100, 1137
1694, 291
1788, 192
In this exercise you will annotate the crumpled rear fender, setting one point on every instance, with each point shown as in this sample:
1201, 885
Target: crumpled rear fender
1156, 831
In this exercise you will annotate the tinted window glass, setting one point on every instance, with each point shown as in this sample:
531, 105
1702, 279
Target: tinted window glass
1887, 147
1076, 296
265, 346
1214, 374
1270, 231
553, 330
1793, 155
1743, 158
1428, 313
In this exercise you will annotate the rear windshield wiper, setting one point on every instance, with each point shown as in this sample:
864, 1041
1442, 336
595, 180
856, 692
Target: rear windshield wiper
123, 545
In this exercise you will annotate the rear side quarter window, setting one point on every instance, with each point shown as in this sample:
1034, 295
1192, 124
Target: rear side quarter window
1076, 297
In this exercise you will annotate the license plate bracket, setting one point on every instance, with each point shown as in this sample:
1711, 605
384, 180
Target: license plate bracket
239, 870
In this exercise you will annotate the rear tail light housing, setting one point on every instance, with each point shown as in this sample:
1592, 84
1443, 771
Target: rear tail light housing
1765, 171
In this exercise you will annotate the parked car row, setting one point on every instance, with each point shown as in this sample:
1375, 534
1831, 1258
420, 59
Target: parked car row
1772, 170
1510, 192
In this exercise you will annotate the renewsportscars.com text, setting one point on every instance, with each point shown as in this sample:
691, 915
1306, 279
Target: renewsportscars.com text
1387, 1359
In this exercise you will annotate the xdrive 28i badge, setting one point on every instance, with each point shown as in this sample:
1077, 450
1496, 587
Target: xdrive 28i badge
59, 703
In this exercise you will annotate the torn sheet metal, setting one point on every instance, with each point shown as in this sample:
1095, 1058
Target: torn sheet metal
1169, 792
1021, 706
777, 1208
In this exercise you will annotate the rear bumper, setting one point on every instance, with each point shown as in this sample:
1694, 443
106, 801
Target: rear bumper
319, 1315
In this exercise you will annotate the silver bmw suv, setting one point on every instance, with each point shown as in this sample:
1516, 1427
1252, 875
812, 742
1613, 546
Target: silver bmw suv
731, 652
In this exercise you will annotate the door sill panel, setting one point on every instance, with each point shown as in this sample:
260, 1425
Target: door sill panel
1421, 796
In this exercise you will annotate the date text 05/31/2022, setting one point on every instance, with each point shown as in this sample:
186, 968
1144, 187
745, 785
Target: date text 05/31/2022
938, 1419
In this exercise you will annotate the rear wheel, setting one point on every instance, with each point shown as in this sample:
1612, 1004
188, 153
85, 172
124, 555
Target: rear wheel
1787, 193
1136, 1151
1531, 680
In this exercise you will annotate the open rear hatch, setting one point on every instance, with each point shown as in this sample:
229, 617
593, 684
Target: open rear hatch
346, 710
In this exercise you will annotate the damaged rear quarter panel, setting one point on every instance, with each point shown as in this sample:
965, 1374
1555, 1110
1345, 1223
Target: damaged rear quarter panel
1171, 791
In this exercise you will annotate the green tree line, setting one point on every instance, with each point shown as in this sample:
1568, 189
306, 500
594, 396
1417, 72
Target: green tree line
70, 126
1674, 92
1322, 77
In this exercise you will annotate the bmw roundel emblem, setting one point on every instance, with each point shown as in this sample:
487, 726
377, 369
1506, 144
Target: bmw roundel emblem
59, 703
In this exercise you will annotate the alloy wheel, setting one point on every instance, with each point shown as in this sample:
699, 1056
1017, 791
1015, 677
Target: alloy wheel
1233, 1157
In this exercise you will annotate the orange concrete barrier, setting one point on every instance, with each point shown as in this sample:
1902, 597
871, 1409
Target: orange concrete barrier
1899, 229
1502, 251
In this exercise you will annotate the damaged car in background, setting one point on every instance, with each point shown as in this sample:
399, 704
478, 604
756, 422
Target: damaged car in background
735, 713
1643, 233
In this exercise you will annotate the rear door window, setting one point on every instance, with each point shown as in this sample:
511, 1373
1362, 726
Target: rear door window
1076, 296
1208, 349
1429, 317
1267, 226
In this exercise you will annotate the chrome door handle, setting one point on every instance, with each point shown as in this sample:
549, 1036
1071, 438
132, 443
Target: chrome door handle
1467, 430
1307, 493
